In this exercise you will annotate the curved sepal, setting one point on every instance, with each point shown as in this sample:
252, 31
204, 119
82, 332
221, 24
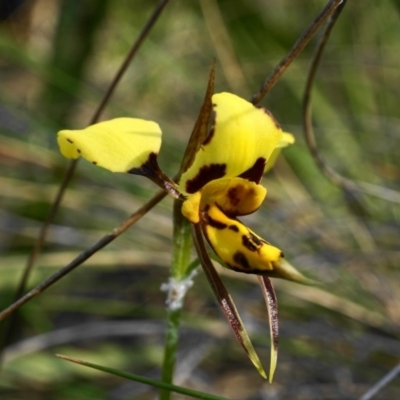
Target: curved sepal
284, 270
118, 145
225, 300
272, 307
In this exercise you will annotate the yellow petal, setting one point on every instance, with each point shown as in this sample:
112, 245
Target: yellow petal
191, 208
287, 139
234, 196
239, 143
237, 246
117, 145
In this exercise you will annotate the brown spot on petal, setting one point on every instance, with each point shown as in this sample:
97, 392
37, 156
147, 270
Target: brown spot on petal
241, 259
69, 140
206, 174
94, 162
255, 172
233, 196
215, 223
233, 228
78, 150
258, 241
249, 243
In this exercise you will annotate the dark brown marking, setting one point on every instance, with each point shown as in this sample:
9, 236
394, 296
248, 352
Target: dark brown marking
241, 259
216, 224
255, 172
94, 162
233, 228
206, 174
148, 168
256, 239
233, 197
78, 150
69, 140
270, 115
249, 243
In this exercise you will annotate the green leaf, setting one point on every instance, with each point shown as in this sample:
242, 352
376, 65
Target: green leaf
142, 379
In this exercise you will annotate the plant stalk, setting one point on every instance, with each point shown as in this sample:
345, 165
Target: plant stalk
180, 271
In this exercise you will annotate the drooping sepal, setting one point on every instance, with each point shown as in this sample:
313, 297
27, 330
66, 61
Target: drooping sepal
272, 307
225, 301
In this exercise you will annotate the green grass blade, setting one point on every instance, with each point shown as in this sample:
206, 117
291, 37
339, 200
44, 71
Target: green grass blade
148, 381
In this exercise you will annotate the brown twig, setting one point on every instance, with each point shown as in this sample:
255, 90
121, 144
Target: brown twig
329, 172
297, 48
104, 241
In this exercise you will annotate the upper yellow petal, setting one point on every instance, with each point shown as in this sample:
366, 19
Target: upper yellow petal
241, 140
118, 145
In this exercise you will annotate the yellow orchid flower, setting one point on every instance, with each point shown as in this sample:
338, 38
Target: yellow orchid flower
221, 184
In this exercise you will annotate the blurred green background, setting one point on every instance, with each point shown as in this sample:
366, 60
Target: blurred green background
56, 61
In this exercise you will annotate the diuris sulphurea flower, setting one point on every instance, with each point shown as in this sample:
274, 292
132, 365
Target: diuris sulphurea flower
221, 184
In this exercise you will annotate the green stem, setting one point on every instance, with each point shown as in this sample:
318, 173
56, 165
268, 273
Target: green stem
182, 245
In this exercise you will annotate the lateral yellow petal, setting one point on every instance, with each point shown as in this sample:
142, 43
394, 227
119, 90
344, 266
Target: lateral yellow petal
237, 246
117, 145
240, 142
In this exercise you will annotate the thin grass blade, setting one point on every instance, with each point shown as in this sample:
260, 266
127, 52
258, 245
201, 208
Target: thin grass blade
148, 381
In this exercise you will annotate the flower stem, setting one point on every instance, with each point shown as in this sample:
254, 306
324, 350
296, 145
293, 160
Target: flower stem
180, 271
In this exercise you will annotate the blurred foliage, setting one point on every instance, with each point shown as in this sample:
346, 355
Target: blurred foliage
57, 59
